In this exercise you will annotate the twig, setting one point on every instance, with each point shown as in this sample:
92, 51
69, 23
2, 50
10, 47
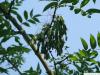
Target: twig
54, 63
13, 65
62, 60
10, 7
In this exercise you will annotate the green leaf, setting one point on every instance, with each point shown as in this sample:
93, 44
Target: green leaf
92, 42
84, 43
38, 68
25, 15
31, 13
32, 21
36, 19
74, 2
73, 58
2, 70
93, 61
5, 39
37, 15
19, 18
71, 7
98, 39
77, 67
50, 5
84, 2
17, 39
77, 10
92, 11
26, 24
94, 54
82, 52
83, 13
94, 1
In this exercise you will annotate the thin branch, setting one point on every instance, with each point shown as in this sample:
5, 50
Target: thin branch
54, 63
10, 7
59, 62
14, 66
53, 17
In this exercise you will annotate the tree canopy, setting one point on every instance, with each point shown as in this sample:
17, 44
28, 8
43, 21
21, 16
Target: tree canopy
52, 38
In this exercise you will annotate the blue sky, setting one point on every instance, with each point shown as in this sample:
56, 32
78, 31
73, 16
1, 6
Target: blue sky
78, 26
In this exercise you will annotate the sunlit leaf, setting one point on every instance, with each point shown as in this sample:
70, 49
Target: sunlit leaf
73, 58
84, 43
98, 39
82, 52
92, 42
84, 2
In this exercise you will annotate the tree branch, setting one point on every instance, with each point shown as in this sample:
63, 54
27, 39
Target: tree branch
27, 38
14, 66
56, 73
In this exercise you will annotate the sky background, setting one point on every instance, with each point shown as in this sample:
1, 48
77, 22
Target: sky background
78, 26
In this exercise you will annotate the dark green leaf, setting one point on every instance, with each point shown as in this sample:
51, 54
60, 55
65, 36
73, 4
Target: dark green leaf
31, 13
84, 2
19, 18
84, 43
35, 19
25, 15
5, 39
98, 39
77, 10
93, 61
38, 68
83, 13
94, 1
92, 11
26, 24
50, 5
92, 42
74, 2
37, 15
71, 7
32, 21
78, 67
2, 70
14, 12
17, 39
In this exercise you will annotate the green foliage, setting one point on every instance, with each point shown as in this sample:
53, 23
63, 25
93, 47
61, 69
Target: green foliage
84, 2
98, 39
85, 45
50, 5
92, 42
2, 70
52, 37
26, 15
